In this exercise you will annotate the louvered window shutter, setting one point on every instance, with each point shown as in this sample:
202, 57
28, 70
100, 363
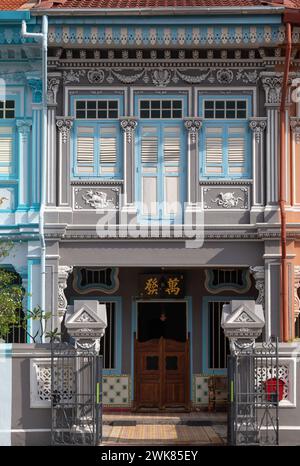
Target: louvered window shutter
85, 150
171, 146
149, 146
214, 161
6, 151
236, 144
108, 154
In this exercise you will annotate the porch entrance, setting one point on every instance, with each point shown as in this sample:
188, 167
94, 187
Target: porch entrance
162, 356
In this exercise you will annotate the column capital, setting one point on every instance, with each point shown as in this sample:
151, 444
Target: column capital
36, 85
128, 124
53, 84
23, 127
272, 83
64, 125
258, 126
295, 127
193, 126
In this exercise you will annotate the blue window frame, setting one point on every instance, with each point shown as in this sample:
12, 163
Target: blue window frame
225, 141
96, 137
160, 144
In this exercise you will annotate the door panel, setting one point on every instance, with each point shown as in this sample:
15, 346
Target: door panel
162, 374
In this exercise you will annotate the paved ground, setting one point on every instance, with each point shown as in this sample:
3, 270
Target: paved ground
160, 434
164, 429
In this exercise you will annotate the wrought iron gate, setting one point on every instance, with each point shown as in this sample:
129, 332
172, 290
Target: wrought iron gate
254, 395
76, 394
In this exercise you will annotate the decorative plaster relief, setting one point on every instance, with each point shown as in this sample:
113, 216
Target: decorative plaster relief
7, 198
235, 199
101, 197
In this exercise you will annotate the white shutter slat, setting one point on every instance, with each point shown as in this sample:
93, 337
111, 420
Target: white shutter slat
171, 146
149, 149
108, 146
214, 150
85, 150
6, 155
236, 151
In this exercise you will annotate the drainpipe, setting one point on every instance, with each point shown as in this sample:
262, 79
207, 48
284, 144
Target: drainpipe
282, 189
43, 36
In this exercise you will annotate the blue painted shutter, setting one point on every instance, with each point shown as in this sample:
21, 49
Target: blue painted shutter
171, 169
236, 146
149, 168
108, 153
85, 149
6, 151
214, 144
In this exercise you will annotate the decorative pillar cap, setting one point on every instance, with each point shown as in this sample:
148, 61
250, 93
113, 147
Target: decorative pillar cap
242, 322
87, 323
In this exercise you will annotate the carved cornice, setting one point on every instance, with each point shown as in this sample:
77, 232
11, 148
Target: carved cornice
295, 127
64, 125
193, 126
128, 124
258, 126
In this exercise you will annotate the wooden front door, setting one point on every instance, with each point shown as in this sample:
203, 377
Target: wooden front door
162, 364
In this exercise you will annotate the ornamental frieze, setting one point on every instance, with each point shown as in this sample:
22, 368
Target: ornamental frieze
162, 77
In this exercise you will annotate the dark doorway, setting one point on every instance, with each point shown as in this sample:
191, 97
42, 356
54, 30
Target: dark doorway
162, 319
162, 356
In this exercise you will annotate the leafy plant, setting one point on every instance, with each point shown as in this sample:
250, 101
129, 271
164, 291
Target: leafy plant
37, 315
11, 293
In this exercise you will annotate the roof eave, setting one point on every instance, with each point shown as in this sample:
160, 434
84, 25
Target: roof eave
157, 11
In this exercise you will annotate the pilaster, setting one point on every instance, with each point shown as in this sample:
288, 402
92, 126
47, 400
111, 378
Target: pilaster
23, 128
64, 126
63, 273
193, 127
54, 80
128, 125
272, 83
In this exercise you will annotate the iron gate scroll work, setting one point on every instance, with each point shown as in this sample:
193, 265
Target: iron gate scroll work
76, 378
254, 395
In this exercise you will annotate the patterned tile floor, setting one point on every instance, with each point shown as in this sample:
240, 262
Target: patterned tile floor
160, 434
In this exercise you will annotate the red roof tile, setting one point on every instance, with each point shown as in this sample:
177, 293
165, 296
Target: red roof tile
149, 4
11, 4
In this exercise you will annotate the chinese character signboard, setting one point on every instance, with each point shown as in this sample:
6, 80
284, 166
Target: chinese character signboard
161, 286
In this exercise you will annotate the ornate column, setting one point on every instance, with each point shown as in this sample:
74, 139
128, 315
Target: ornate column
128, 125
52, 91
37, 95
23, 128
272, 86
63, 273
193, 126
258, 127
64, 126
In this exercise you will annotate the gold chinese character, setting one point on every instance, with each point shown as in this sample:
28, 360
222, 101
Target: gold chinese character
151, 286
173, 287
